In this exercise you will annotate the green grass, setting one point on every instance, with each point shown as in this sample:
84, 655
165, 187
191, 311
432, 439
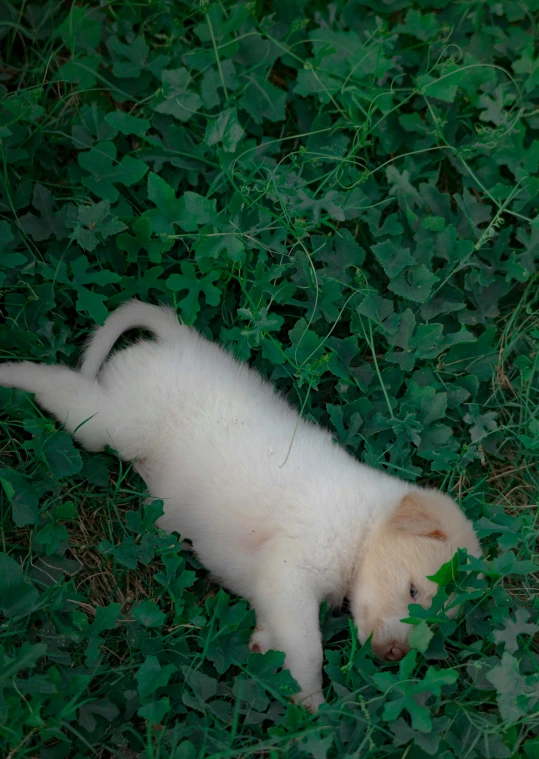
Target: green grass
348, 200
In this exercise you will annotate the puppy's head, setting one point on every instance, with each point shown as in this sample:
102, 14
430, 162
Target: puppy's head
422, 534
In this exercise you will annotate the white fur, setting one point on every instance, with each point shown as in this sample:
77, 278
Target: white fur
276, 510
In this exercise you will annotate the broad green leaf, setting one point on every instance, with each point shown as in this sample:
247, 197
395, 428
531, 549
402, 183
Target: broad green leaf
61, 456
202, 686
80, 29
520, 626
167, 210
152, 512
142, 240
148, 614
80, 70
188, 280
195, 211
527, 65
421, 26
264, 669
25, 658
420, 636
54, 536
47, 223
414, 284
105, 618
22, 497
212, 244
376, 308
127, 124
393, 257
188, 212
225, 129
130, 59
17, 594
177, 100
151, 676
155, 710
6, 235
106, 171
95, 223
510, 687
444, 87
262, 100
103, 707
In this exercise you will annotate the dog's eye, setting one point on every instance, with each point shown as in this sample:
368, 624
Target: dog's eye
414, 591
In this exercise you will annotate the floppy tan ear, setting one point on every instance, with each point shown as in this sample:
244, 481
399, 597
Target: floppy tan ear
416, 516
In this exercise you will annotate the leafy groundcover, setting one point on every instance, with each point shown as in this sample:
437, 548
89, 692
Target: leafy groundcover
345, 195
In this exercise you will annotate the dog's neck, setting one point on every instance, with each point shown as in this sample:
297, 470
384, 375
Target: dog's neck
368, 506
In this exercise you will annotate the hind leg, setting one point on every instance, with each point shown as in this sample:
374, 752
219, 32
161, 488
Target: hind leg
74, 400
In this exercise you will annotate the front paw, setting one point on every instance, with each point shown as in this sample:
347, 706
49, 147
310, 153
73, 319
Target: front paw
311, 701
260, 641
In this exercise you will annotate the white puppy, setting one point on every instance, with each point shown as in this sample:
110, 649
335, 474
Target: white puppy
276, 510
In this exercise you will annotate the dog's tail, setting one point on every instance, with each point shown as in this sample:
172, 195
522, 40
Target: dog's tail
162, 321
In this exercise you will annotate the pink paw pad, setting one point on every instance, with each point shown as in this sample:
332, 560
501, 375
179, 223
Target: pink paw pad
260, 641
